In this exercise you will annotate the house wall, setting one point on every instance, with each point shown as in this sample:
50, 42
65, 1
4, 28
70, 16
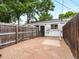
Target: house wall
52, 32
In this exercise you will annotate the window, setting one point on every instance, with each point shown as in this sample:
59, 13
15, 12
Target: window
54, 26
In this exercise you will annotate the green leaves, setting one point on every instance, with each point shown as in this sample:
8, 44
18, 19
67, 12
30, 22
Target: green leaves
61, 16
3, 8
44, 7
69, 13
10, 9
66, 15
5, 13
45, 16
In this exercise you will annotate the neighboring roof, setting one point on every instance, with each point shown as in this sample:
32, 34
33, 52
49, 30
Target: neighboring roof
49, 21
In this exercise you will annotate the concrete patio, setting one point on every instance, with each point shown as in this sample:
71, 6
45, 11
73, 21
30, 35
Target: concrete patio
38, 48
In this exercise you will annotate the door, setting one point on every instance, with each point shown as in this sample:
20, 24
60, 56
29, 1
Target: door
42, 30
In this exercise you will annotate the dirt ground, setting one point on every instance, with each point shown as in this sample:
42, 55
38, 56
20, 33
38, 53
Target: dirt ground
38, 48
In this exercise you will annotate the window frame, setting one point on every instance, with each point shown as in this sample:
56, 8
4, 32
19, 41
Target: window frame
54, 26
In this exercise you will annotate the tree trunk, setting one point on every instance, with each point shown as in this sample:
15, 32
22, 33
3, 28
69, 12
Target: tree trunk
28, 18
18, 20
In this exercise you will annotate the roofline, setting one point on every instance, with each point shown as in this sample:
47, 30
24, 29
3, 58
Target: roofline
44, 21
48, 22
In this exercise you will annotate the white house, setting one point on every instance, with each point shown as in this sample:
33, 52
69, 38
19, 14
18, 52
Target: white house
50, 28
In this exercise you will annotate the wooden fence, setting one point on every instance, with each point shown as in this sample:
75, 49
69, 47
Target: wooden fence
10, 34
71, 35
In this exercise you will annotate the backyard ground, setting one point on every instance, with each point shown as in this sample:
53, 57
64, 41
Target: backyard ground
38, 48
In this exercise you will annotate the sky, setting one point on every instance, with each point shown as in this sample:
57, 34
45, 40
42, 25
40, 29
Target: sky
68, 3
58, 8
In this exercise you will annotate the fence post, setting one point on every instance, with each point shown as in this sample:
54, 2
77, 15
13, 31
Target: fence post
32, 32
16, 33
36, 32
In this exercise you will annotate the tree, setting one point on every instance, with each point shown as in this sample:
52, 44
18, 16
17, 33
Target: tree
44, 7
66, 15
5, 13
31, 8
69, 13
45, 16
21, 7
61, 16
38, 7
16, 8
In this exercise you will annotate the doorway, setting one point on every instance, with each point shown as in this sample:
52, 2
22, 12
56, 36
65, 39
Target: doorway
42, 30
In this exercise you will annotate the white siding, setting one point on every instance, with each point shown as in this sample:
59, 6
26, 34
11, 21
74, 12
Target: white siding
53, 32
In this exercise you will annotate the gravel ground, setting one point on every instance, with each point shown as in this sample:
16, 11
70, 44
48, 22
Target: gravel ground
38, 48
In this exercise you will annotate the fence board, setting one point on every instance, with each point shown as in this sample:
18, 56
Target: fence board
71, 35
13, 34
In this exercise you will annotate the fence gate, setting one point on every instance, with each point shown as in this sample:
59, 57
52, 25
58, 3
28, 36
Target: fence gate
71, 35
